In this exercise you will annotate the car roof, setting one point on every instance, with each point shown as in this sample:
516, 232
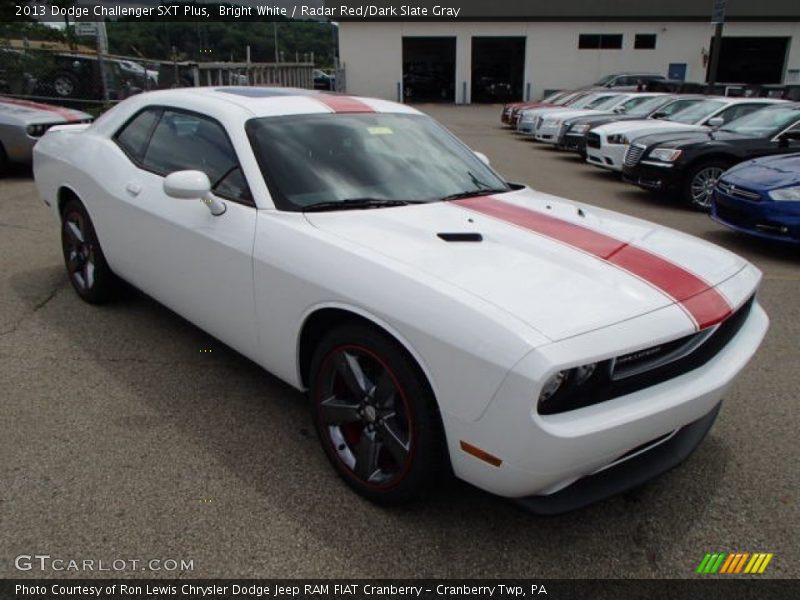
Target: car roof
266, 101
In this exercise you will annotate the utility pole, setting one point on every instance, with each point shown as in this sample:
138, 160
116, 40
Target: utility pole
718, 19
275, 38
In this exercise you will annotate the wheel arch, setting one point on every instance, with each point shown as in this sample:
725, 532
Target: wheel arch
319, 320
64, 194
717, 155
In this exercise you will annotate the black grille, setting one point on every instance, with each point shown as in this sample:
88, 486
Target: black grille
633, 154
602, 386
593, 140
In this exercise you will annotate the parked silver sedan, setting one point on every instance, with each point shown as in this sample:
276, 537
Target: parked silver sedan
23, 122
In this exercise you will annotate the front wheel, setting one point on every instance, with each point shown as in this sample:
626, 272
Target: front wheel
698, 189
375, 415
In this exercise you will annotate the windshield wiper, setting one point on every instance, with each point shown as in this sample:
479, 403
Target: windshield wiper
355, 203
474, 193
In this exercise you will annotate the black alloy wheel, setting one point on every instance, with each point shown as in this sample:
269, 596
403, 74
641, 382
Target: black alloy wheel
375, 415
87, 269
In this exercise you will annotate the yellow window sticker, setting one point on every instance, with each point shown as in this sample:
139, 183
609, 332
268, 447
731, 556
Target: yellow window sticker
380, 130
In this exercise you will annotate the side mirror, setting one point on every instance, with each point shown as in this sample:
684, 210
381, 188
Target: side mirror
788, 136
193, 185
715, 122
482, 157
658, 115
619, 110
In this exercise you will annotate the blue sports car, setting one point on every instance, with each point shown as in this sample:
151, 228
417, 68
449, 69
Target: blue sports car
761, 197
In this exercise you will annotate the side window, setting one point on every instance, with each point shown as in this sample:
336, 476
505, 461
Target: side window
133, 136
738, 110
184, 141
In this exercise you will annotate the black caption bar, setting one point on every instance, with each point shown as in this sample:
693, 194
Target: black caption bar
395, 10
399, 589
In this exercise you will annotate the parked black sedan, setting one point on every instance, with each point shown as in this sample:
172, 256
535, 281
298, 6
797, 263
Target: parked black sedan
574, 131
690, 162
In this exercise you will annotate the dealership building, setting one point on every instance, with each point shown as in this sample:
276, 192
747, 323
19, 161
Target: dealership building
523, 49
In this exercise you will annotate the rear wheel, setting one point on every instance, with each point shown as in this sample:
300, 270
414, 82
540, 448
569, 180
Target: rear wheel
698, 188
4, 164
65, 85
375, 415
87, 268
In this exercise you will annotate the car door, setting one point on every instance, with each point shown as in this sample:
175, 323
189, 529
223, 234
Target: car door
198, 264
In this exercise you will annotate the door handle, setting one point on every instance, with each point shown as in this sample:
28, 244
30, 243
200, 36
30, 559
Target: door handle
134, 189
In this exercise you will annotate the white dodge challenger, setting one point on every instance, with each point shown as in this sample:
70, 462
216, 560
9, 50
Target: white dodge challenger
439, 317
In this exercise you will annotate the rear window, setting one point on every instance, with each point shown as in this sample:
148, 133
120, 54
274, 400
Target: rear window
133, 137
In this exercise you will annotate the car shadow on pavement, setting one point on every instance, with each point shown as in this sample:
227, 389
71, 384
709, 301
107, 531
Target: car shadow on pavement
256, 430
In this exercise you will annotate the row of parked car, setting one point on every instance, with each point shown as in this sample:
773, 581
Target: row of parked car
735, 157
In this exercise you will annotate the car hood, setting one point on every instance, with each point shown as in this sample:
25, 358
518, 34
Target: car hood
682, 138
645, 127
547, 280
575, 112
25, 112
767, 173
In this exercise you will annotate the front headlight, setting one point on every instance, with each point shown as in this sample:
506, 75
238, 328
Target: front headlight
37, 130
562, 382
551, 122
786, 194
666, 154
618, 138
580, 128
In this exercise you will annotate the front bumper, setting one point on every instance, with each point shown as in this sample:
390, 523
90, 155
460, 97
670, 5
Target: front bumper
606, 156
779, 221
547, 134
545, 454
652, 177
18, 145
573, 142
641, 466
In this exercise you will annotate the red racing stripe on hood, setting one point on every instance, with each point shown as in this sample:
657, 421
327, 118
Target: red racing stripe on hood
65, 113
703, 303
344, 104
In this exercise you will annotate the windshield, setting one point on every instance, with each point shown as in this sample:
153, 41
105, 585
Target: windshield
553, 97
697, 112
641, 106
765, 122
605, 103
585, 101
604, 80
327, 158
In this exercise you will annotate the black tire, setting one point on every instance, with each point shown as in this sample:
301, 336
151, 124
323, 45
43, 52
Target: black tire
87, 269
381, 430
65, 85
4, 163
702, 175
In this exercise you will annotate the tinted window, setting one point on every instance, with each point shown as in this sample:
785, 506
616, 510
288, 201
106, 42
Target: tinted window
184, 141
644, 41
678, 105
133, 137
738, 110
596, 41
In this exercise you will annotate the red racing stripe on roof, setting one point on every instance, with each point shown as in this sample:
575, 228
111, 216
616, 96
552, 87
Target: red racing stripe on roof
703, 303
65, 113
344, 104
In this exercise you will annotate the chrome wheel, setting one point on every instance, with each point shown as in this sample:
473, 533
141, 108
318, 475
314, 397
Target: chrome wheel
79, 251
64, 86
702, 186
365, 416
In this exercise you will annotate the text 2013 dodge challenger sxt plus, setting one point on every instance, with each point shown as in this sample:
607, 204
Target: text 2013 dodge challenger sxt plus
438, 316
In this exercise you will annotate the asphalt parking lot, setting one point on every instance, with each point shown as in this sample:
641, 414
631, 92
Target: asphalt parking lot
127, 433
